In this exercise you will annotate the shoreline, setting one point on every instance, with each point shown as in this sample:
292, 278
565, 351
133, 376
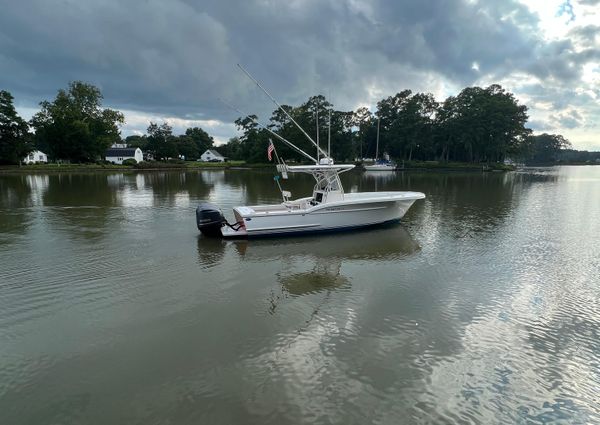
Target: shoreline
240, 165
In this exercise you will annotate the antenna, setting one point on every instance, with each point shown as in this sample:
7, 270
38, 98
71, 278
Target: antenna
280, 107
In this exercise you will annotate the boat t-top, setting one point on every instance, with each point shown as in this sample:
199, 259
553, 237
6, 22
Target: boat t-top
329, 208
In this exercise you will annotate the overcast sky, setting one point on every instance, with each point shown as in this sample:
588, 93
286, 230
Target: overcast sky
172, 60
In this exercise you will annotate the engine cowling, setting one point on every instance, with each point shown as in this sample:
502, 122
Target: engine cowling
209, 219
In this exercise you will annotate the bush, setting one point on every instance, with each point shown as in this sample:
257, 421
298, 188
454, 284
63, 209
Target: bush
155, 165
129, 161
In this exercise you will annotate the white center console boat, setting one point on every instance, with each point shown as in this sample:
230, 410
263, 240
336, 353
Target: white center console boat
329, 208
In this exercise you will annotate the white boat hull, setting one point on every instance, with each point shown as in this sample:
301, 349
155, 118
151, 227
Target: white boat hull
354, 211
379, 167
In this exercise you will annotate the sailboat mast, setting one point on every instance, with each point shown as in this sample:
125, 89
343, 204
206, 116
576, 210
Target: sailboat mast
317, 133
329, 136
377, 144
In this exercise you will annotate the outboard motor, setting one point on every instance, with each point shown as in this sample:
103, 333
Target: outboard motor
209, 219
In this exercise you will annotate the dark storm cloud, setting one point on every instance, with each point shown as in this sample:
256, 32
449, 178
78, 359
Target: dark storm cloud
179, 57
144, 55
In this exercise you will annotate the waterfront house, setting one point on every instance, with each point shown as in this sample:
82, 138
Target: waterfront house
118, 155
212, 155
35, 156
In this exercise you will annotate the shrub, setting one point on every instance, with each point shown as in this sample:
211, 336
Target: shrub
175, 161
129, 161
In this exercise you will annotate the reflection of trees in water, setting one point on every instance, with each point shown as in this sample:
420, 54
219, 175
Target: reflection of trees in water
15, 199
83, 201
259, 186
471, 204
468, 202
168, 185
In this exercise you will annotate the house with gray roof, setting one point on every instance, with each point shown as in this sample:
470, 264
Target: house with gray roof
118, 155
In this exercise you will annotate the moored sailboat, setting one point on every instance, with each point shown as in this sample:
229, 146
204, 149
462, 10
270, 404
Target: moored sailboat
381, 164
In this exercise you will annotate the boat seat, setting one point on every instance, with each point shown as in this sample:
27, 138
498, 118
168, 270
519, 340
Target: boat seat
245, 210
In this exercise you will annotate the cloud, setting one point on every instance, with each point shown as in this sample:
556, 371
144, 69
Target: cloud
568, 119
137, 123
176, 59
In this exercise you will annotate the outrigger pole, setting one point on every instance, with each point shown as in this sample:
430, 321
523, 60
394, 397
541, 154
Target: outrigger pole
290, 144
283, 110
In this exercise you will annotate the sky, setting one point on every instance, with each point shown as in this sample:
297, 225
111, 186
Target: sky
174, 60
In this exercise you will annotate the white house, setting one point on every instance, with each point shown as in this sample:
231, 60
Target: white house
212, 155
118, 155
35, 156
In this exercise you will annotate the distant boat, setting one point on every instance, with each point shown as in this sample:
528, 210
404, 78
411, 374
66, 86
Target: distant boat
329, 208
380, 164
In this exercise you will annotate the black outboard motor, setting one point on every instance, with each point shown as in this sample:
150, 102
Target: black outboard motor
209, 219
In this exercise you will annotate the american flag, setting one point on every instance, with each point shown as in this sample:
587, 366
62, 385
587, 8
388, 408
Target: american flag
270, 150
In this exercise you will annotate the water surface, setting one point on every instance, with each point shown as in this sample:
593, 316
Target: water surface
483, 306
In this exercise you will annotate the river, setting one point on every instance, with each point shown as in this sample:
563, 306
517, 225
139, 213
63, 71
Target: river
482, 306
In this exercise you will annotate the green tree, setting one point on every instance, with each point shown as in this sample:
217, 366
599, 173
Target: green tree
74, 126
545, 148
187, 147
161, 142
392, 116
201, 138
419, 125
407, 124
482, 125
366, 132
15, 141
232, 149
479, 124
254, 141
137, 141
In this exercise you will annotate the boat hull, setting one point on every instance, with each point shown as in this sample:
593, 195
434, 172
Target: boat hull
352, 213
380, 167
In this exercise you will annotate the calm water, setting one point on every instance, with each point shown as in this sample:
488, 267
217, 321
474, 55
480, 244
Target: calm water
483, 306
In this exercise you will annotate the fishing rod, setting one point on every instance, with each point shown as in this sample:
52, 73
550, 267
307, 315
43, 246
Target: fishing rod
282, 110
261, 125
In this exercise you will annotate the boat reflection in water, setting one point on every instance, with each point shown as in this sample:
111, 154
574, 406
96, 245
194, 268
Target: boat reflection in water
383, 243
319, 258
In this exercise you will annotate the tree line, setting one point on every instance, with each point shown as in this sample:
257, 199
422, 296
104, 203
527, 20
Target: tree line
477, 125
75, 127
